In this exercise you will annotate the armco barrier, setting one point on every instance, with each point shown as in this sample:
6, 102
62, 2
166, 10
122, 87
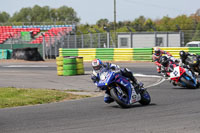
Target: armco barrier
195, 50
68, 52
105, 54
87, 54
123, 54
142, 54
110, 54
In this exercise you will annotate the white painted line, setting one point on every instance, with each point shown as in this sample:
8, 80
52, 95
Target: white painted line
156, 83
25, 66
142, 75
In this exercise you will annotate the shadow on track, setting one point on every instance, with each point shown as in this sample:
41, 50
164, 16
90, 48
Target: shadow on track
134, 106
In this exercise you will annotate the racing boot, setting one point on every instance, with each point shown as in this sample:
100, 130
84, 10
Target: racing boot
108, 99
196, 74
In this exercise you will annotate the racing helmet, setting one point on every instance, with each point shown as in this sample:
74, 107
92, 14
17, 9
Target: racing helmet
164, 61
97, 64
183, 54
157, 51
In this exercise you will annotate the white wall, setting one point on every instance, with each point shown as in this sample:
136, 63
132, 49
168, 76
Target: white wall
147, 39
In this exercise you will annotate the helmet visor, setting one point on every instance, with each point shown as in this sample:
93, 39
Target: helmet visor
157, 52
96, 68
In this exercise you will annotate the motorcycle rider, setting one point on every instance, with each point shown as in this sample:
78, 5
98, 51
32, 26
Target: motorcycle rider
156, 57
167, 65
97, 65
183, 63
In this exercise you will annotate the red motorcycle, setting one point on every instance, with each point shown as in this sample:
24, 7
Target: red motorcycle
179, 75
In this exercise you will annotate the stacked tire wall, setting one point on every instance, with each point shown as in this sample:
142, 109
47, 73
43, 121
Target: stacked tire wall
69, 66
59, 63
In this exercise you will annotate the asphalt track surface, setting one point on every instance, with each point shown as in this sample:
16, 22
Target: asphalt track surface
172, 110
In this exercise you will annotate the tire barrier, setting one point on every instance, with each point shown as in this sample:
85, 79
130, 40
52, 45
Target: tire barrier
5, 53
69, 66
79, 66
59, 62
29, 54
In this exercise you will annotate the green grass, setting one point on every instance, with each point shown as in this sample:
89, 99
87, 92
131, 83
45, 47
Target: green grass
12, 97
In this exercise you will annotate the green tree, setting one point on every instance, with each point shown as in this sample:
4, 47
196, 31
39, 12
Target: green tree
102, 22
40, 14
197, 33
4, 17
138, 24
23, 16
149, 25
45, 14
163, 24
184, 22
65, 13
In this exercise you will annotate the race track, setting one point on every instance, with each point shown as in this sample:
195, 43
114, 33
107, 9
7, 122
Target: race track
173, 110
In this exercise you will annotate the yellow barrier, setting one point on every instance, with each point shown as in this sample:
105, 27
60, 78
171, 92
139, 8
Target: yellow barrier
123, 54
87, 54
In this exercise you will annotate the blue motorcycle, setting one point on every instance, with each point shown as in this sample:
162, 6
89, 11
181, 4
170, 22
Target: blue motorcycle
120, 89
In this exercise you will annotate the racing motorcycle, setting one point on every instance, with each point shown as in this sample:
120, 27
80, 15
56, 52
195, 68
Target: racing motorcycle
193, 62
120, 89
183, 77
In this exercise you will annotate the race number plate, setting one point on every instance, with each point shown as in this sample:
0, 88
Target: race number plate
175, 73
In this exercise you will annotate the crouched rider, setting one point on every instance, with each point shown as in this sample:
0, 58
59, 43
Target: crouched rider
97, 65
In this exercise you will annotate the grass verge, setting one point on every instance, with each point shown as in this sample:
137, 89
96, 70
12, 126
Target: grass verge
12, 97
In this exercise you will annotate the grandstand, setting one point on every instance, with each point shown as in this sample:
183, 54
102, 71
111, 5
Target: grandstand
32, 34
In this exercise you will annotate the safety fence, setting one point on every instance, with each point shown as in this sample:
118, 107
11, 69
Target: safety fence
110, 54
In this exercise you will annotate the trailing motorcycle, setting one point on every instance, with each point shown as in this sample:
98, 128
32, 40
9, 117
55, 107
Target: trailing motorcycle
183, 77
120, 89
193, 62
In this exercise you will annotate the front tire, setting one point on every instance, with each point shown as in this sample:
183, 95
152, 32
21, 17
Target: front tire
115, 95
145, 98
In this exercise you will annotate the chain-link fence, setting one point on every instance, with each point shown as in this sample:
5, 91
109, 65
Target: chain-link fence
52, 43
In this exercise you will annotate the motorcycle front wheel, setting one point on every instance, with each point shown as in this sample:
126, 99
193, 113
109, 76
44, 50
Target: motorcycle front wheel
120, 97
145, 98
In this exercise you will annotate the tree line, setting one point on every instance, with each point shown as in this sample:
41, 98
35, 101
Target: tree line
41, 14
68, 14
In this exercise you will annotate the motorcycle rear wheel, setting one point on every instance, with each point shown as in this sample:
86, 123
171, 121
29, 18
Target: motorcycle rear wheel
115, 95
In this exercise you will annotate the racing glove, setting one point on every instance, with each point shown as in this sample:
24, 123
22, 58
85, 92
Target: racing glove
94, 78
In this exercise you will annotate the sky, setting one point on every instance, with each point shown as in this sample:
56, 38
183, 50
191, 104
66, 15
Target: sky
90, 11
